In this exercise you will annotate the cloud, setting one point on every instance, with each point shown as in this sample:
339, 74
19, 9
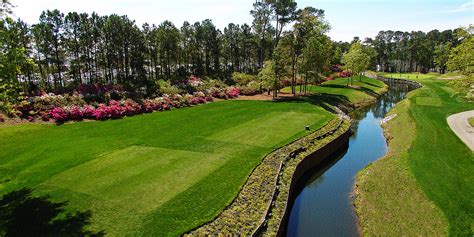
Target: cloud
466, 7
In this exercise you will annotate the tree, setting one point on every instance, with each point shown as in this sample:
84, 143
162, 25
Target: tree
442, 55
461, 57
261, 24
14, 58
310, 22
356, 60
52, 27
267, 76
72, 34
317, 58
168, 39
285, 13
5, 8
281, 60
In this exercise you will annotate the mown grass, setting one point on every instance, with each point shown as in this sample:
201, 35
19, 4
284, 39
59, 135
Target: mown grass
471, 121
411, 76
426, 157
155, 174
361, 92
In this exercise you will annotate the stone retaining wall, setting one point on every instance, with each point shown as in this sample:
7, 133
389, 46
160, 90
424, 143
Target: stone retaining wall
250, 210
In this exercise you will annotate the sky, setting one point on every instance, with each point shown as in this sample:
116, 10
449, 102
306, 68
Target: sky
348, 18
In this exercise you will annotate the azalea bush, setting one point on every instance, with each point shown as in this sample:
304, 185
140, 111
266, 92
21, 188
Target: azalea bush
60, 115
345, 74
233, 92
75, 106
49, 101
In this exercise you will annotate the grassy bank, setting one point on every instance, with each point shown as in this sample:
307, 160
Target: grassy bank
424, 184
361, 92
161, 173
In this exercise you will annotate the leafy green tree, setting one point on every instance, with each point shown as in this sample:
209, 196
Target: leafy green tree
168, 39
461, 57
15, 48
281, 61
52, 27
72, 34
267, 76
262, 14
442, 55
309, 23
317, 59
356, 60
285, 12
5, 8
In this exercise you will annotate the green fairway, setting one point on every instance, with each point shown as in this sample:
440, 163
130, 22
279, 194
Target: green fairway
438, 162
358, 93
161, 173
411, 76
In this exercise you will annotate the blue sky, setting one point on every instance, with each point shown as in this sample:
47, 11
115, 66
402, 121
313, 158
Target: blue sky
348, 18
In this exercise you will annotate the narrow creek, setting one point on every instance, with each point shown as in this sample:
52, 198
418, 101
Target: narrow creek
324, 206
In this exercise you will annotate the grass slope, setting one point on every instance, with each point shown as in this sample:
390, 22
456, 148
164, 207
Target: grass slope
359, 93
154, 174
433, 157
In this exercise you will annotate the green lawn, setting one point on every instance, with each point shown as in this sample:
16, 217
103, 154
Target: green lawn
162, 173
411, 76
471, 121
427, 157
356, 94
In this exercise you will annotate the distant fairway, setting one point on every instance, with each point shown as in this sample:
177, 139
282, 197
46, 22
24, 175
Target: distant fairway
156, 173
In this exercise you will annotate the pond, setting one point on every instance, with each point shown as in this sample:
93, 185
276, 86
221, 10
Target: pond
324, 205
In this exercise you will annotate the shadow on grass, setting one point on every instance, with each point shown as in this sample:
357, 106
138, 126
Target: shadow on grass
22, 214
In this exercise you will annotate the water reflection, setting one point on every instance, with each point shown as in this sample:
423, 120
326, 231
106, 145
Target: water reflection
324, 207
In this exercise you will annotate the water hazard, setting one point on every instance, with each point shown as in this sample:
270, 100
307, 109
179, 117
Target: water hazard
324, 206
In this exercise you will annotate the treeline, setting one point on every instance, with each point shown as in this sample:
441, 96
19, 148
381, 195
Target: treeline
64, 50
399, 51
74, 48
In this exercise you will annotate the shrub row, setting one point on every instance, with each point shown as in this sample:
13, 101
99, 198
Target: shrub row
74, 107
119, 109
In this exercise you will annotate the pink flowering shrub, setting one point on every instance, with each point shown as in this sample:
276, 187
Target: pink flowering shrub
116, 111
75, 113
209, 99
88, 112
101, 112
219, 93
233, 92
132, 107
198, 100
150, 106
73, 108
345, 73
59, 114
194, 81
